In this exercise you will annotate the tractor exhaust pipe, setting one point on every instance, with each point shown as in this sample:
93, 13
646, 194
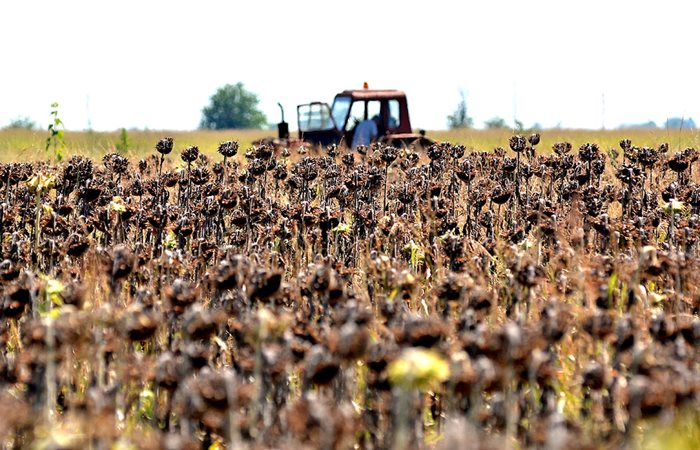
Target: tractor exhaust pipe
282, 127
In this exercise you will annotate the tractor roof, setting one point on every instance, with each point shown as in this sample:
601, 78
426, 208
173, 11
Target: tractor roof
369, 94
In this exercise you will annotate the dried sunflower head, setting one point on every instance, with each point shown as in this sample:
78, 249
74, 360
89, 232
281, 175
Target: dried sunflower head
517, 143
228, 149
190, 154
165, 146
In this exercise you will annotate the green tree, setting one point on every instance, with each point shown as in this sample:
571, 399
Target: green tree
679, 123
22, 122
232, 106
496, 122
460, 118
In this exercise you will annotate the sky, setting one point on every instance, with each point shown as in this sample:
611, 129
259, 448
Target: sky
155, 63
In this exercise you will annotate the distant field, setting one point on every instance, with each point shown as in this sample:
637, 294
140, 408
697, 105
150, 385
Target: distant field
16, 144
488, 139
29, 144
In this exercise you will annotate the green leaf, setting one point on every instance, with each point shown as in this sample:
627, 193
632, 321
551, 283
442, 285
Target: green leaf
612, 281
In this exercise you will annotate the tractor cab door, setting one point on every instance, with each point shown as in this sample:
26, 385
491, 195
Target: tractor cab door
316, 124
390, 114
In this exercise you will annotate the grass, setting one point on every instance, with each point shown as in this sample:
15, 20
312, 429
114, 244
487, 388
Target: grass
20, 144
652, 137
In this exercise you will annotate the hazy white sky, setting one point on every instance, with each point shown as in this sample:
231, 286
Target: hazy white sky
155, 63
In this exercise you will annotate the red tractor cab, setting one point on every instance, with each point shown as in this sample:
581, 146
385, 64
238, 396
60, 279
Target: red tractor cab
320, 124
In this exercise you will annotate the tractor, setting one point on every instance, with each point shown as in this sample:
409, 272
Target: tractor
323, 125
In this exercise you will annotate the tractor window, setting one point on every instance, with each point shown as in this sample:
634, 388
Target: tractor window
357, 112
394, 115
314, 116
341, 106
374, 108
357, 115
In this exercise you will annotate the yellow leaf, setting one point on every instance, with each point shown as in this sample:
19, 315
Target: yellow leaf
117, 204
418, 368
